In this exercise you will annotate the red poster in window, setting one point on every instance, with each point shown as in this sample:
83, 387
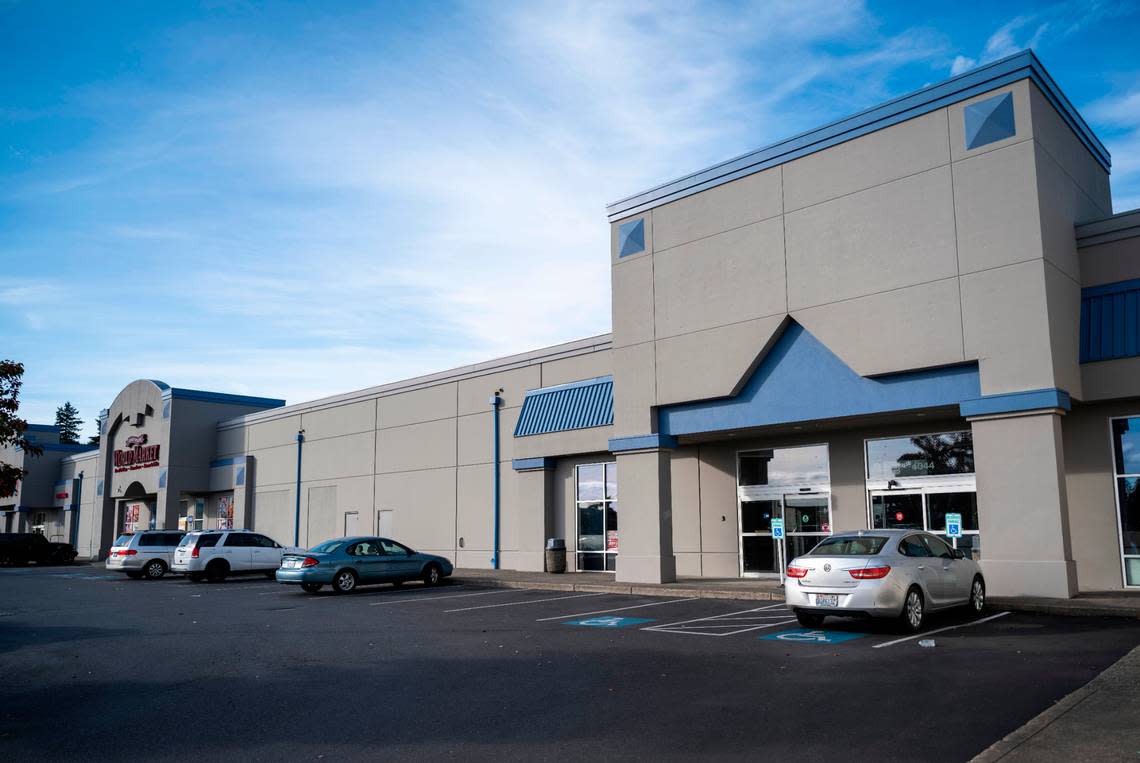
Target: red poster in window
611, 540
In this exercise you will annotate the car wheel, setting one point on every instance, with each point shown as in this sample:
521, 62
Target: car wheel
135, 575
344, 582
978, 594
914, 610
216, 572
432, 574
154, 569
809, 620
195, 577
310, 587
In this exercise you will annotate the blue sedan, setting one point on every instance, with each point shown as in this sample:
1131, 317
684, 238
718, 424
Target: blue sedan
345, 563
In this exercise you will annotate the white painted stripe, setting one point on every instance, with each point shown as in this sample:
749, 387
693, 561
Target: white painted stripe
717, 617
407, 599
697, 632
528, 601
619, 609
940, 630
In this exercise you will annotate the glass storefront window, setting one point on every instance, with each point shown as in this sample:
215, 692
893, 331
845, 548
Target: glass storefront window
785, 467
1126, 471
596, 502
926, 455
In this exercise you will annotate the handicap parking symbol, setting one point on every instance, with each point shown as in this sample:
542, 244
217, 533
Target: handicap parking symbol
812, 636
610, 622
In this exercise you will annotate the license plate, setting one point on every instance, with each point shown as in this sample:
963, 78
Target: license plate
292, 564
827, 600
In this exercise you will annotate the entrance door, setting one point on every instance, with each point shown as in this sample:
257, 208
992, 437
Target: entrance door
807, 520
897, 510
351, 523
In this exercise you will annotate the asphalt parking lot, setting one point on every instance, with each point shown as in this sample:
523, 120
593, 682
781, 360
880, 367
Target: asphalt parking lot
96, 666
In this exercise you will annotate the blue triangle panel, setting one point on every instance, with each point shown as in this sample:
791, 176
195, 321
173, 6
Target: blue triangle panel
989, 121
631, 237
801, 380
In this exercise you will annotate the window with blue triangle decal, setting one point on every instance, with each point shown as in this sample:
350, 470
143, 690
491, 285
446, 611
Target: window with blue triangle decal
631, 237
800, 379
989, 121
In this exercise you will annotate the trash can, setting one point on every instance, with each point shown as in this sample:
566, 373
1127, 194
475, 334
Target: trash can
555, 555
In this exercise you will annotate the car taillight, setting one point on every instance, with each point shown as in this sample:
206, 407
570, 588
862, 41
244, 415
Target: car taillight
870, 573
797, 572
194, 553
128, 552
309, 562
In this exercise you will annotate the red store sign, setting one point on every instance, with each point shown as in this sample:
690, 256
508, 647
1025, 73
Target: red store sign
137, 455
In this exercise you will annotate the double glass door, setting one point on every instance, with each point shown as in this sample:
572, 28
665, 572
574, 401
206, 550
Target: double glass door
807, 520
926, 509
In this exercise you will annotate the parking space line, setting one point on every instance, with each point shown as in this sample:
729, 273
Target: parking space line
729, 623
619, 609
695, 630
528, 601
406, 599
716, 617
940, 630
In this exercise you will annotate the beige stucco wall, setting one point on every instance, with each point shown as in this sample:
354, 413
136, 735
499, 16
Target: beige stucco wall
421, 449
900, 249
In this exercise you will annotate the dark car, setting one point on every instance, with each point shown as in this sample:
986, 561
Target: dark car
25, 548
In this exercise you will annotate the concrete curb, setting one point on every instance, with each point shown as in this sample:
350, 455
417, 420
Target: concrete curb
1118, 671
1065, 607
672, 592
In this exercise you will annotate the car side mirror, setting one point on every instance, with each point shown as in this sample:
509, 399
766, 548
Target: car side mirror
958, 553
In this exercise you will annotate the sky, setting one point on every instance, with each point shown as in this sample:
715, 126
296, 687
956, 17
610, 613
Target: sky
295, 200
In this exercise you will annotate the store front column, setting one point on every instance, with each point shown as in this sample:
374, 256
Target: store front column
534, 480
1022, 504
645, 507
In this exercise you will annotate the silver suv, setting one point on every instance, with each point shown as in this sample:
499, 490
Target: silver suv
216, 554
148, 553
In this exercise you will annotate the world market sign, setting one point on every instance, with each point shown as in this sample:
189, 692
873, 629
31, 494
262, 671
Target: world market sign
137, 454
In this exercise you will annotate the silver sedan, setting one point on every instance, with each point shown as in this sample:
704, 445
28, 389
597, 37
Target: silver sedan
882, 573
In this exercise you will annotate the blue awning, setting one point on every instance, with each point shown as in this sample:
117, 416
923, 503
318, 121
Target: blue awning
1110, 321
578, 405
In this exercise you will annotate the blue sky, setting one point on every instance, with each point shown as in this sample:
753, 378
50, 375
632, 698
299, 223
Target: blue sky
300, 199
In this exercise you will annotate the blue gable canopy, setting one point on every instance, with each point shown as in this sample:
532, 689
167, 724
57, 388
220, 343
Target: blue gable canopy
801, 380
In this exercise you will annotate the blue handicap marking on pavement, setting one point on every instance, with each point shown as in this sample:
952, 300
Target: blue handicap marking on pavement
812, 636
610, 622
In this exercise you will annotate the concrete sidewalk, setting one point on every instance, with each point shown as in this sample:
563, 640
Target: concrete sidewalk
1112, 603
1098, 722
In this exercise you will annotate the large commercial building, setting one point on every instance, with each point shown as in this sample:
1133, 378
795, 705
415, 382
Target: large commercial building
925, 309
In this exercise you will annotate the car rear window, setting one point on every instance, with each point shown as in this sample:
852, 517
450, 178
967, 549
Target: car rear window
187, 540
208, 541
123, 539
848, 545
327, 547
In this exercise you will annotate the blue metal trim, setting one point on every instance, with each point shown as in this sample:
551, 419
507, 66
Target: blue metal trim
160, 384
532, 464
1023, 65
642, 442
1013, 402
226, 461
62, 482
1110, 321
220, 397
800, 379
577, 405
52, 428
1111, 288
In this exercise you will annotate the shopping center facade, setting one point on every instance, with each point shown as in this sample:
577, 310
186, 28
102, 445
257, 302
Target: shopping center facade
925, 310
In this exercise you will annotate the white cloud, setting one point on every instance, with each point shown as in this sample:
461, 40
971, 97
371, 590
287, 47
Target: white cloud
961, 64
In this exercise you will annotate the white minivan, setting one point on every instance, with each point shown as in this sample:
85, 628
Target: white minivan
216, 554
147, 553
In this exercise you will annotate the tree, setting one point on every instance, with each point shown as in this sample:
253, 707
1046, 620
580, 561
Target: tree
93, 440
12, 427
68, 421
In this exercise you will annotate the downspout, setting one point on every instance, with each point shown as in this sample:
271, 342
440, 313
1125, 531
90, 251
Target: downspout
495, 402
297, 517
73, 533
